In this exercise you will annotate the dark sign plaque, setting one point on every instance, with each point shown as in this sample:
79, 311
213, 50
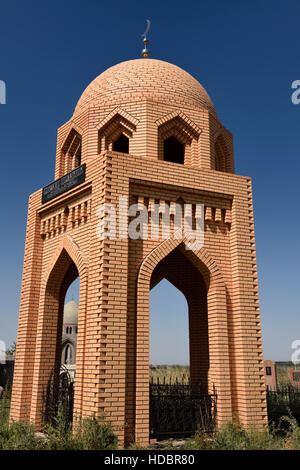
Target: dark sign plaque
296, 376
69, 181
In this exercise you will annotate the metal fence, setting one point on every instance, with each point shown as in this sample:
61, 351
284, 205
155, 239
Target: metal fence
178, 409
58, 398
5, 406
284, 401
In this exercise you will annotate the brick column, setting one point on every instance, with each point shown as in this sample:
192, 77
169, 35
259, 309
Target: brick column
248, 374
29, 304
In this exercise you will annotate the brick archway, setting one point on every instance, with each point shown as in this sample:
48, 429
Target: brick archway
66, 265
219, 371
70, 246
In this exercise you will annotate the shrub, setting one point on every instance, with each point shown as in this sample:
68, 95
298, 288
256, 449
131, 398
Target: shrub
135, 446
201, 441
292, 437
233, 436
94, 434
58, 434
91, 434
21, 436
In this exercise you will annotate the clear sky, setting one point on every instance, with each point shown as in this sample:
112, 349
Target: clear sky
246, 55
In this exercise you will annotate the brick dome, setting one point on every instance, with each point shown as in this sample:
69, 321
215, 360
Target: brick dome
145, 78
71, 312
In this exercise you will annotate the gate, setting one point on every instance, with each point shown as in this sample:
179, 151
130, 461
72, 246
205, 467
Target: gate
178, 410
59, 397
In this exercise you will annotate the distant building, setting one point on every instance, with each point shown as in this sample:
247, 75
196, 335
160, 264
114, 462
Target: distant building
68, 347
69, 337
295, 377
270, 374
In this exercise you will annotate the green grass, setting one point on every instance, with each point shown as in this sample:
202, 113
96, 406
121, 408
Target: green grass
233, 436
90, 434
93, 434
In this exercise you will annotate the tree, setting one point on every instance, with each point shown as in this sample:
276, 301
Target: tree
12, 349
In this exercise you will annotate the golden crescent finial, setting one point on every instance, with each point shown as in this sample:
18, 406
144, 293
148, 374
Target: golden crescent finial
145, 51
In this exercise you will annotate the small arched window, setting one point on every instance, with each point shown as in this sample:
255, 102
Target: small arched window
71, 151
67, 359
77, 157
121, 144
173, 150
222, 157
220, 164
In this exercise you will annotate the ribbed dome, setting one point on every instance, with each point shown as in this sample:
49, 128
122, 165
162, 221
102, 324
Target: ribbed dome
71, 312
145, 78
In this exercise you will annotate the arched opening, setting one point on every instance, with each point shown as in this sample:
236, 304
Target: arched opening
183, 275
70, 328
49, 343
67, 354
220, 163
183, 386
222, 156
173, 150
169, 333
71, 152
115, 131
121, 144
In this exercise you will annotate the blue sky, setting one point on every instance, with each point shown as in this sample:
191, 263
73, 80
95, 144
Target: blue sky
245, 54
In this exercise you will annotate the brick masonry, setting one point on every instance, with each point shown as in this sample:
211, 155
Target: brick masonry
148, 101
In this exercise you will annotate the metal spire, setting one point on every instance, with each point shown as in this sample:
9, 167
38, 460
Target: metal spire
145, 51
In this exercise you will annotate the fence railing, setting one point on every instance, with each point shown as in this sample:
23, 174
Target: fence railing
178, 409
5, 406
58, 397
283, 401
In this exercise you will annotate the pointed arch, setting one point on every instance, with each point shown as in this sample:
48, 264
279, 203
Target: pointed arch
210, 270
67, 263
70, 246
223, 160
71, 149
184, 130
71, 352
219, 373
72, 126
110, 129
117, 111
186, 121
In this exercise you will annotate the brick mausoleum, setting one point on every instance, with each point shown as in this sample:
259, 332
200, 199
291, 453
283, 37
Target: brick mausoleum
148, 130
